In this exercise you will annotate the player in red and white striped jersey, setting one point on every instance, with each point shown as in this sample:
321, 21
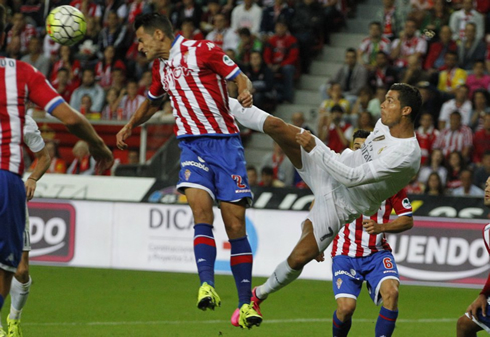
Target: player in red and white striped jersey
360, 253
20, 82
194, 74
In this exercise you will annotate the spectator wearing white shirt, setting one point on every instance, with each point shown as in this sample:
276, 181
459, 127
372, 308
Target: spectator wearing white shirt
467, 189
460, 18
248, 14
408, 44
221, 35
460, 103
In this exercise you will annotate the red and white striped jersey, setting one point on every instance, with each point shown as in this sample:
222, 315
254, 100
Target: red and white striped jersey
195, 77
20, 82
352, 240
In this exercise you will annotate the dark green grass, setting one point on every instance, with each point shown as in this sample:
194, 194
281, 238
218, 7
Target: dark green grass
99, 302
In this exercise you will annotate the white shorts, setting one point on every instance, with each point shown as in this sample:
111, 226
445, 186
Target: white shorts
330, 211
27, 234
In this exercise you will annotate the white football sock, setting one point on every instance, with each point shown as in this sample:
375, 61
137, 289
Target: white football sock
18, 294
282, 276
252, 118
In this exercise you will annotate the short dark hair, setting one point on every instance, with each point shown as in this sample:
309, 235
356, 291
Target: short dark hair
360, 134
267, 170
338, 108
451, 52
2, 19
456, 113
351, 50
63, 69
152, 21
409, 96
244, 31
251, 168
375, 23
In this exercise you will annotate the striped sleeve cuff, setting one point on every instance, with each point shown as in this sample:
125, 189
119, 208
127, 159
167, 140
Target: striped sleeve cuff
53, 104
235, 72
154, 98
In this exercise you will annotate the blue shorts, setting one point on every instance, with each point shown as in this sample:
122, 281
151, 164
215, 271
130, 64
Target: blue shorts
348, 273
12, 219
216, 165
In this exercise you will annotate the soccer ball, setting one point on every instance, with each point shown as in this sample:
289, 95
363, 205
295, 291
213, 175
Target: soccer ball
66, 25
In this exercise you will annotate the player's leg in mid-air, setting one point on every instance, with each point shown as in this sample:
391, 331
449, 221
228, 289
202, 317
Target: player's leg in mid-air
21, 284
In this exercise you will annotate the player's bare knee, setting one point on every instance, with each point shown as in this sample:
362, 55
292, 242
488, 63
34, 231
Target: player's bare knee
345, 310
235, 229
22, 274
390, 297
202, 215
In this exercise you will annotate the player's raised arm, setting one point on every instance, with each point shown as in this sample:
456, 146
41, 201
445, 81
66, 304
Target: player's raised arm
244, 90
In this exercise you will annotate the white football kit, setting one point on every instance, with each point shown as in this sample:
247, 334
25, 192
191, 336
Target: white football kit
353, 183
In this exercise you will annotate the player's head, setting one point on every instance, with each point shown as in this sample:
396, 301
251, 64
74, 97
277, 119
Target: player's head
2, 23
155, 35
358, 138
402, 101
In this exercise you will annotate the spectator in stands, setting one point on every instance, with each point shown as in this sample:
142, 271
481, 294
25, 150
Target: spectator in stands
426, 136
438, 49
118, 76
431, 101
436, 164
248, 44
281, 56
34, 11
460, 103
452, 76
267, 178
391, 18
84, 163
104, 68
307, 26
368, 50
189, 31
131, 101
86, 108
57, 164
13, 49
434, 185
22, 30
88, 47
50, 49
478, 79
334, 131
187, 9
279, 11
248, 14
112, 109
163, 7
116, 6
457, 137
436, 18
413, 73
262, 79
383, 74
252, 176
481, 141
68, 61
456, 164
89, 87
207, 18
114, 34
221, 35
352, 76
414, 186
471, 49
467, 189
133, 157
374, 105
362, 102
482, 171
35, 56
480, 109
135, 8
63, 85
365, 122
335, 98
298, 119
282, 168
145, 83
89, 8
460, 18
408, 44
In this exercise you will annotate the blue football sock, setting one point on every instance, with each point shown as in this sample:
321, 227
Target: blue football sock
205, 252
339, 328
241, 267
386, 322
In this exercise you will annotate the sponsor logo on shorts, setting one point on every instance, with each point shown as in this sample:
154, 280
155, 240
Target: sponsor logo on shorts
52, 227
339, 283
195, 164
243, 191
345, 272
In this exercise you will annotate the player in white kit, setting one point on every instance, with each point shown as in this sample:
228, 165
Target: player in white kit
347, 185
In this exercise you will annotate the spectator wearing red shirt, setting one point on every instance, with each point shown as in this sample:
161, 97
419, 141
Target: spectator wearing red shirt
281, 55
63, 85
437, 50
426, 135
457, 137
334, 131
68, 61
481, 141
21, 29
104, 68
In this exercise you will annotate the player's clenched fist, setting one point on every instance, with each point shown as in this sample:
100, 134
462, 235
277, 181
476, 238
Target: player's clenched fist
371, 226
121, 136
245, 98
306, 140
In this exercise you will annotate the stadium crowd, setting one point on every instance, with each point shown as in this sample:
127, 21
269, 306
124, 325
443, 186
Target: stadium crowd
441, 47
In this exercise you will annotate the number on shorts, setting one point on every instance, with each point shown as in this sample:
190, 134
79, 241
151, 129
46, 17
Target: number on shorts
387, 262
238, 180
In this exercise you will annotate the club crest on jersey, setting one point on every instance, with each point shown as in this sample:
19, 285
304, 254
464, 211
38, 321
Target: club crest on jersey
377, 139
187, 174
406, 203
381, 150
228, 61
339, 283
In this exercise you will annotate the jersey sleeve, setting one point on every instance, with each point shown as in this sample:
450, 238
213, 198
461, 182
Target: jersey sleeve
401, 204
216, 59
40, 91
156, 88
32, 135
